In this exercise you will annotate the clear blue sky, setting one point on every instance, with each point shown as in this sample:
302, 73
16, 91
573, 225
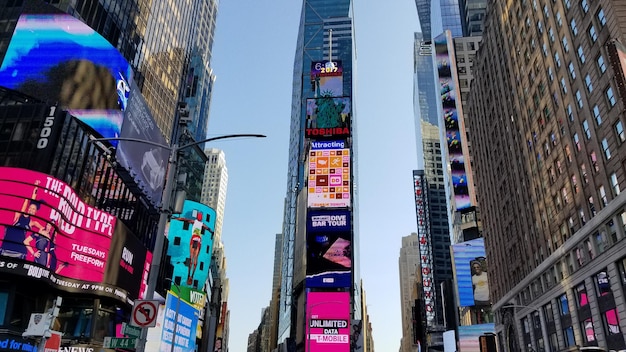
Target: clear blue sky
253, 59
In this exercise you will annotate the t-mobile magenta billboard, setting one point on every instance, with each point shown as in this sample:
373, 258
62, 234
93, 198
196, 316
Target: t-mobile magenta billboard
328, 322
48, 232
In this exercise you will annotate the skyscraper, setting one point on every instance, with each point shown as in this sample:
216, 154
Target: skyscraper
547, 119
322, 132
409, 268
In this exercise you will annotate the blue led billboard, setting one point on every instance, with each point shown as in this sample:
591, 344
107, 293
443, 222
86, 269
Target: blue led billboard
470, 266
59, 59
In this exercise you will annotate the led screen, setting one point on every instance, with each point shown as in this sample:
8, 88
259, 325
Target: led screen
425, 243
48, 232
469, 336
329, 175
470, 267
327, 78
190, 246
453, 133
146, 163
328, 117
328, 322
58, 58
185, 317
329, 249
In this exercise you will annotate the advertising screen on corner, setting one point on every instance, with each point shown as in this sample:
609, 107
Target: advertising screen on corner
58, 58
48, 232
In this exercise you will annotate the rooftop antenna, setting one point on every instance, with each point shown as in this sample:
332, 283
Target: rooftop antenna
330, 45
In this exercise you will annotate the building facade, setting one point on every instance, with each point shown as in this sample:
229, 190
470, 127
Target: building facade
408, 265
546, 115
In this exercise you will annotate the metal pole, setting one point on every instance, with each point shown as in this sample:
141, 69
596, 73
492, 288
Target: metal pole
155, 266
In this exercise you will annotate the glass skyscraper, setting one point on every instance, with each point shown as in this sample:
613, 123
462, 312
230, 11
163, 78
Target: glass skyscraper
322, 80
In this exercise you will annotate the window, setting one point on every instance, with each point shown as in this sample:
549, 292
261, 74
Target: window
615, 184
564, 87
573, 27
572, 71
539, 27
601, 63
619, 131
605, 149
544, 48
576, 141
603, 284
569, 110
586, 128
581, 295
557, 59
563, 305
592, 207
581, 54
559, 20
564, 195
551, 35
601, 17
589, 333
611, 322
583, 173
602, 194
596, 114
584, 5
568, 336
568, 4
579, 99
588, 83
548, 312
575, 184
594, 161
565, 44
610, 96
568, 153
550, 73
592, 33
590, 251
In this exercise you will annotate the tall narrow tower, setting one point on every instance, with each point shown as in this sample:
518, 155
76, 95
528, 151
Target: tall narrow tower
320, 244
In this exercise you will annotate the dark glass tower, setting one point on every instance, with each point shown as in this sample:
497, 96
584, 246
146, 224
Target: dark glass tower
323, 77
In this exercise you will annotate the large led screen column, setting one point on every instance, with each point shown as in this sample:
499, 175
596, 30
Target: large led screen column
329, 249
329, 175
454, 134
58, 58
470, 267
425, 244
328, 322
47, 232
190, 246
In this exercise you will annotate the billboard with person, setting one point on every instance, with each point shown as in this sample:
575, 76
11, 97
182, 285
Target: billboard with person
47, 232
59, 59
470, 267
190, 236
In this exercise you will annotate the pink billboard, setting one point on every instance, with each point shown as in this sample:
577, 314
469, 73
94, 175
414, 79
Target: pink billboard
43, 221
328, 321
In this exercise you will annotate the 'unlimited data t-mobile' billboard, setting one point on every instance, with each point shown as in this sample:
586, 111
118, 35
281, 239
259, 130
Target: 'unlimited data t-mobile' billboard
48, 232
190, 247
329, 175
329, 249
58, 58
328, 322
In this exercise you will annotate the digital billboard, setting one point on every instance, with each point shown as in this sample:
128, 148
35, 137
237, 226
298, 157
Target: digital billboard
470, 267
329, 175
329, 249
180, 322
146, 163
190, 246
469, 336
48, 232
328, 117
425, 244
327, 78
328, 322
454, 140
58, 58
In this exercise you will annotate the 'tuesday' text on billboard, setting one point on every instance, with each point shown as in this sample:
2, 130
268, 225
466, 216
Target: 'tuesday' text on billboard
448, 94
58, 58
48, 232
329, 249
470, 266
329, 175
190, 247
328, 322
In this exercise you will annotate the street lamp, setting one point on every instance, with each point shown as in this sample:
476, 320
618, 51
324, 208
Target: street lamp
155, 266
176, 314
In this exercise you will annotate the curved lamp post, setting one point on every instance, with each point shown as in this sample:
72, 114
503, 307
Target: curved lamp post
155, 266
